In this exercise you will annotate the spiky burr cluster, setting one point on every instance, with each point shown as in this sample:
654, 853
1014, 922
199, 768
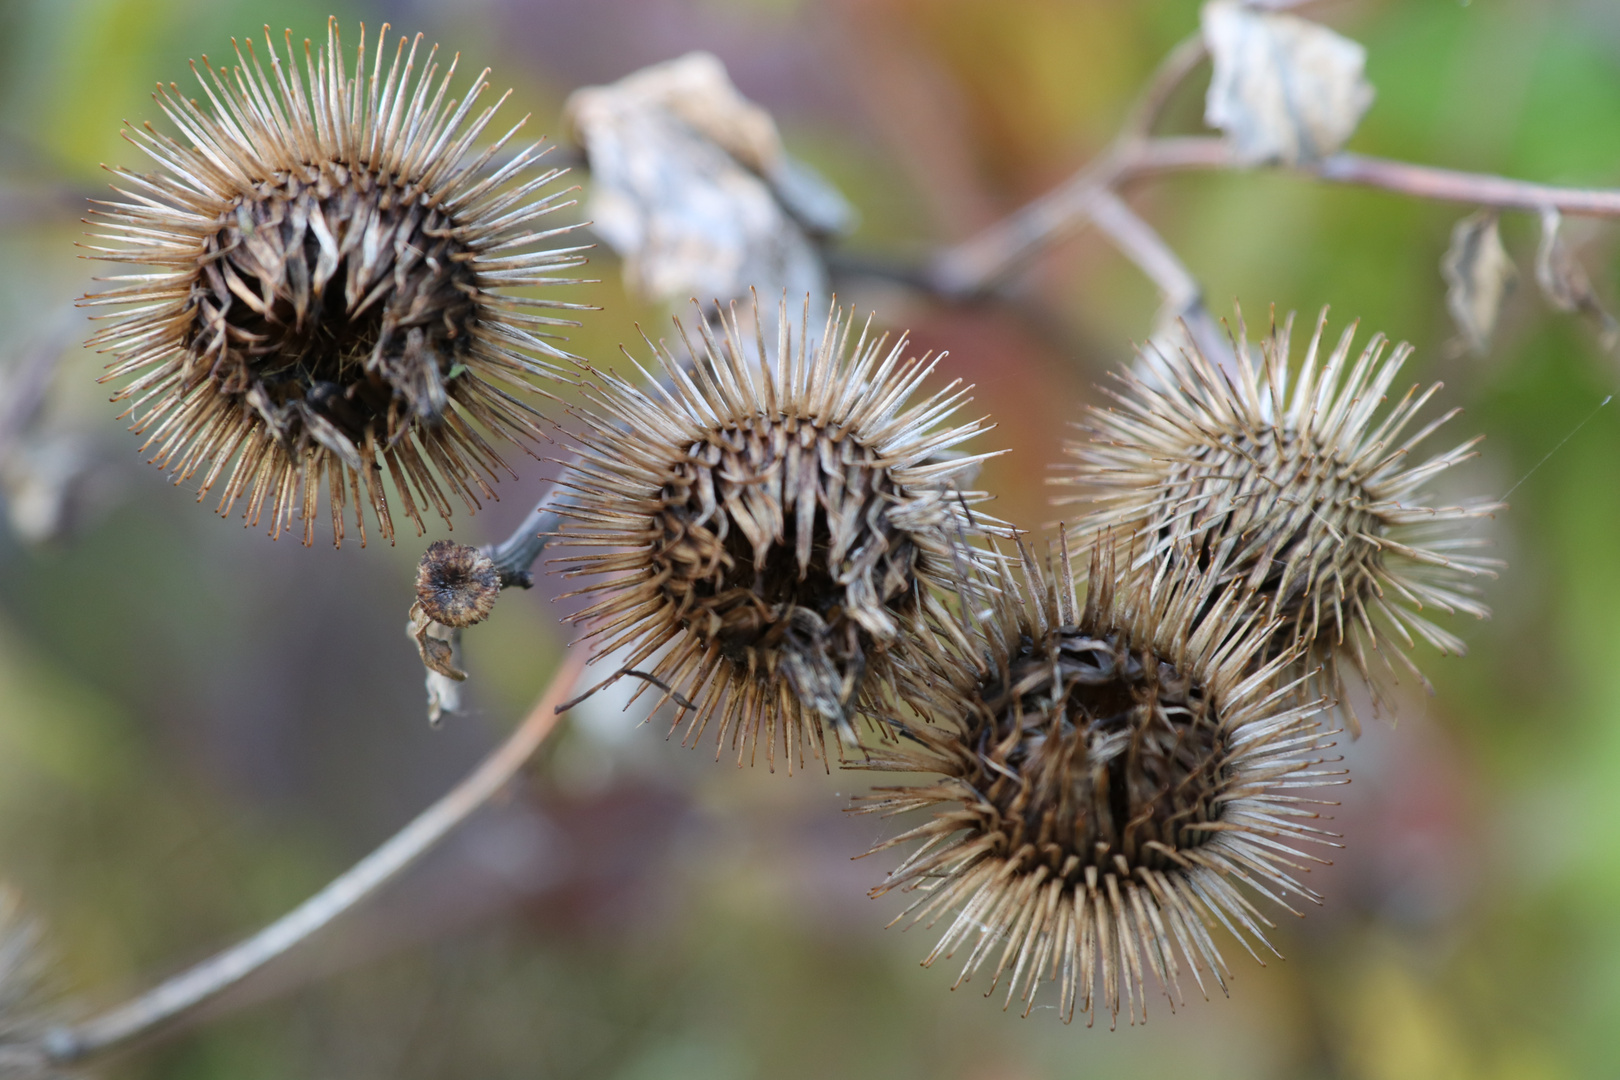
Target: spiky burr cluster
773, 519
778, 531
1311, 490
1107, 777
330, 298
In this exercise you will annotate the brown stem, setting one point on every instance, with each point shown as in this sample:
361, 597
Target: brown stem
1480, 189
1184, 297
973, 267
977, 263
514, 556
1172, 71
354, 886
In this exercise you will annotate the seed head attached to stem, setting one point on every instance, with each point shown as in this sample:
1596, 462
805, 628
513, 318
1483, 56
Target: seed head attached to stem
329, 296
1314, 485
773, 519
456, 587
1106, 778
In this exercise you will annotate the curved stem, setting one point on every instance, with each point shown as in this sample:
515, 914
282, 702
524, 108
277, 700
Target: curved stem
1452, 185
354, 886
514, 556
972, 267
1182, 294
977, 263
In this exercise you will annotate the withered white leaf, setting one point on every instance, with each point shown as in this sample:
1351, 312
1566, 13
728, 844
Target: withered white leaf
1479, 276
1283, 89
49, 475
691, 186
437, 645
1563, 279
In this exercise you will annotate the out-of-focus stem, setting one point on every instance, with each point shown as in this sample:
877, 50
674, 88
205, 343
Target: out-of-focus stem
514, 556
1182, 293
359, 883
973, 266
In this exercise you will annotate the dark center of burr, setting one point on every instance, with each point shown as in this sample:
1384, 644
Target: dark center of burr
1099, 755
334, 306
781, 539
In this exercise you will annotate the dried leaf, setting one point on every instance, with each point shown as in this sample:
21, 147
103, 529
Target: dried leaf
1479, 276
437, 644
692, 188
49, 480
443, 696
1563, 279
1284, 89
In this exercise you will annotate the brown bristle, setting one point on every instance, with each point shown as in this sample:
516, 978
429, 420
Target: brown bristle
330, 299
1313, 490
773, 519
1105, 776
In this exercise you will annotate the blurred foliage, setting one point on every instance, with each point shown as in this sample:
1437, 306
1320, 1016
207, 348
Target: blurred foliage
197, 726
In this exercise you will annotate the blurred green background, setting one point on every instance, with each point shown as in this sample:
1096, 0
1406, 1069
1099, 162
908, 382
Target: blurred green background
199, 726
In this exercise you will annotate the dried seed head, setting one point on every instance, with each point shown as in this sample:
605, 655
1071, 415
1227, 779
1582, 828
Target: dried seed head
330, 287
456, 585
1313, 490
772, 521
1106, 777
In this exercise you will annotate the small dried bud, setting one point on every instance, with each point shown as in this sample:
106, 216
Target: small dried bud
456, 585
1106, 776
773, 522
331, 294
1312, 490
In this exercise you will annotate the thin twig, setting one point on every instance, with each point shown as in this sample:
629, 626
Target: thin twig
354, 886
974, 267
1182, 294
977, 263
1172, 71
514, 556
1184, 152
1451, 185
1147, 249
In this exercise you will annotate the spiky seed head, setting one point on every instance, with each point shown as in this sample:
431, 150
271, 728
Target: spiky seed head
1313, 485
770, 521
329, 296
1106, 779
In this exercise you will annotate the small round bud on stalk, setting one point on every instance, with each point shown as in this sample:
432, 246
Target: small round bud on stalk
772, 521
1313, 484
1107, 778
456, 585
330, 296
